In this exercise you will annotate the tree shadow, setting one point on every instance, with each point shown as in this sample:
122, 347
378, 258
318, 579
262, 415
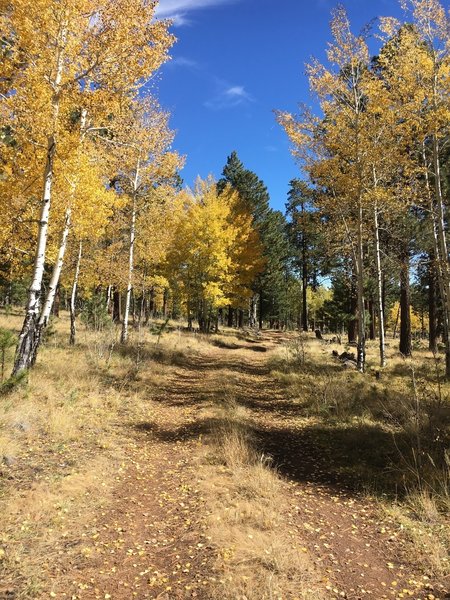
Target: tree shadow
218, 343
356, 458
201, 363
180, 433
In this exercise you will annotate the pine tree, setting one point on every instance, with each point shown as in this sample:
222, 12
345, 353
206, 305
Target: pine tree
304, 236
270, 226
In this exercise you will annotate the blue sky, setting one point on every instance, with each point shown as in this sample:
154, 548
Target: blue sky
236, 61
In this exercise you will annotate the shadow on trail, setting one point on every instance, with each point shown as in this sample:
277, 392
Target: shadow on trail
362, 458
199, 364
218, 343
268, 399
182, 433
186, 392
353, 457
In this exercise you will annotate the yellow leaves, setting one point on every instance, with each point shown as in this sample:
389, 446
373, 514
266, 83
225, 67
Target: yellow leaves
347, 48
389, 26
72, 71
418, 322
212, 255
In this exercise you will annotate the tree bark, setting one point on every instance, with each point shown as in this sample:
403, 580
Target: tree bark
361, 347
353, 306
261, 297
117, 306
27, 339
432, 313
380, 290
165, 298
28, 336
124, 334
304, 284
57, 302
371, 308
108, 298
437, 215
151, 307
57, 268
73, 297
254, 310
230, 316
442, 252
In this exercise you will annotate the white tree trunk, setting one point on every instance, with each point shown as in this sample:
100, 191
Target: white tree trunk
124, 335
361, 348
73, 296
25, 351
26, 344
379, 288
108, 298
438, 216
57, 268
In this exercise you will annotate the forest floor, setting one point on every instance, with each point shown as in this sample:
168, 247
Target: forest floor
193, 471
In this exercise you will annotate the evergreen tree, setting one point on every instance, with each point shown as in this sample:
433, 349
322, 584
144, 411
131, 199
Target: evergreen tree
269, 287
305, 238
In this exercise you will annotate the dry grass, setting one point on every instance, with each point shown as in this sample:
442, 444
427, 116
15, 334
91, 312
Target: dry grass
257, 558
60, 442
59, 446
427, 532
62, 437
390, 432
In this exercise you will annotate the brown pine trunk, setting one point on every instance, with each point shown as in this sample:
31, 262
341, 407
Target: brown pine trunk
117, 306
73, 297
352, 323
304, 288
152, 302
372, 319
230, 316
165, 299
260, 309
57, 302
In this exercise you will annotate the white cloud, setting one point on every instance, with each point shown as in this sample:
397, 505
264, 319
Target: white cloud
179, 19
229, 97
178, 9
183, 61
237, 91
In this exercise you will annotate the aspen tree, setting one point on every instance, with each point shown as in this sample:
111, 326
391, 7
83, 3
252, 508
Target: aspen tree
337, 141
432, 24
69, 50
156, 226
381, 170
414, 65
142, 159
211, 259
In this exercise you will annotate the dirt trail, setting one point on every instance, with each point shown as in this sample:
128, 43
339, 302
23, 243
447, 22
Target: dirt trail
151, 541
360, 554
